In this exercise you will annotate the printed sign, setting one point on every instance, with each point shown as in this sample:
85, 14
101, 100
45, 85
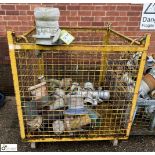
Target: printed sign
148, 17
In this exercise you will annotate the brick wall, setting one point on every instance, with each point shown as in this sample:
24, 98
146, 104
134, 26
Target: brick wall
125, 18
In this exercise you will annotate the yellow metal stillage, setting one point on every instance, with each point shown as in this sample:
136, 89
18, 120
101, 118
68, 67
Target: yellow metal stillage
100, 56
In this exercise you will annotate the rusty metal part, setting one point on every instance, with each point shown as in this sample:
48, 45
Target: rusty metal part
76, 122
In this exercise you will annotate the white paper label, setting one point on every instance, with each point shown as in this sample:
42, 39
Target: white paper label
8, 147
148, 17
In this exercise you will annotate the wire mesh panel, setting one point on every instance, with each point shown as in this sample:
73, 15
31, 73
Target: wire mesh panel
142, 122
77, 93
144, 118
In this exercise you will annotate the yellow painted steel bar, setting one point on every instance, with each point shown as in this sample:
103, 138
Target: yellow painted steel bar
135, 97
25, 34
138, 82
125, 37
41, 66
147, 43
104, 60
97, 48
16, 84
102, 68
75, 139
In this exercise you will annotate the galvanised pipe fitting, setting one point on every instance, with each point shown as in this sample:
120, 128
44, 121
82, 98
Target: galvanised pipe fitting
148, 83
38, 91
66, 83
59, 99
150, 64
75, 87
150, 109
41, 78
33, 119
70, 123
150, 61
75, 105
127, 79
35, 124
144, 89
153, 94
134, 60
150, 79
47, 26
58, 127
101, 95
89, 99
89, 94
88, 86
152, 72
63, 84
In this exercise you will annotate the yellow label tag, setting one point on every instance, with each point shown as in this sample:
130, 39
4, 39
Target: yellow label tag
66, 37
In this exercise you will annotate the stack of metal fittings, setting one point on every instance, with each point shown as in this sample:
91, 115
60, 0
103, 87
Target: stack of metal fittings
38, 93
62, 84
72, 104
34, 120
134, 60
128, 77
127, 80
76, 100
58, 97
47, 27
147, 91
38, 90
77, 115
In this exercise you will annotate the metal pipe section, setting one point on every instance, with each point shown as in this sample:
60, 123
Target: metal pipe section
100, 95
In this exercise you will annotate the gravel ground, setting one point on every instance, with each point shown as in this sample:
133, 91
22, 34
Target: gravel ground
9, 134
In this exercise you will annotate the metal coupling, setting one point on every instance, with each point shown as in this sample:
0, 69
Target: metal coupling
150, 109
102, 95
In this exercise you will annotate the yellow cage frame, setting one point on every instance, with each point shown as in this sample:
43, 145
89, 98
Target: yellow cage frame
133, 47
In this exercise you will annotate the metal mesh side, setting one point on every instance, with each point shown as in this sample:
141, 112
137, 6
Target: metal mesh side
81, 66
143, 122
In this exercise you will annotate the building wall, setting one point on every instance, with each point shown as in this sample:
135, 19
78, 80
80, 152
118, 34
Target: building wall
125, 18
